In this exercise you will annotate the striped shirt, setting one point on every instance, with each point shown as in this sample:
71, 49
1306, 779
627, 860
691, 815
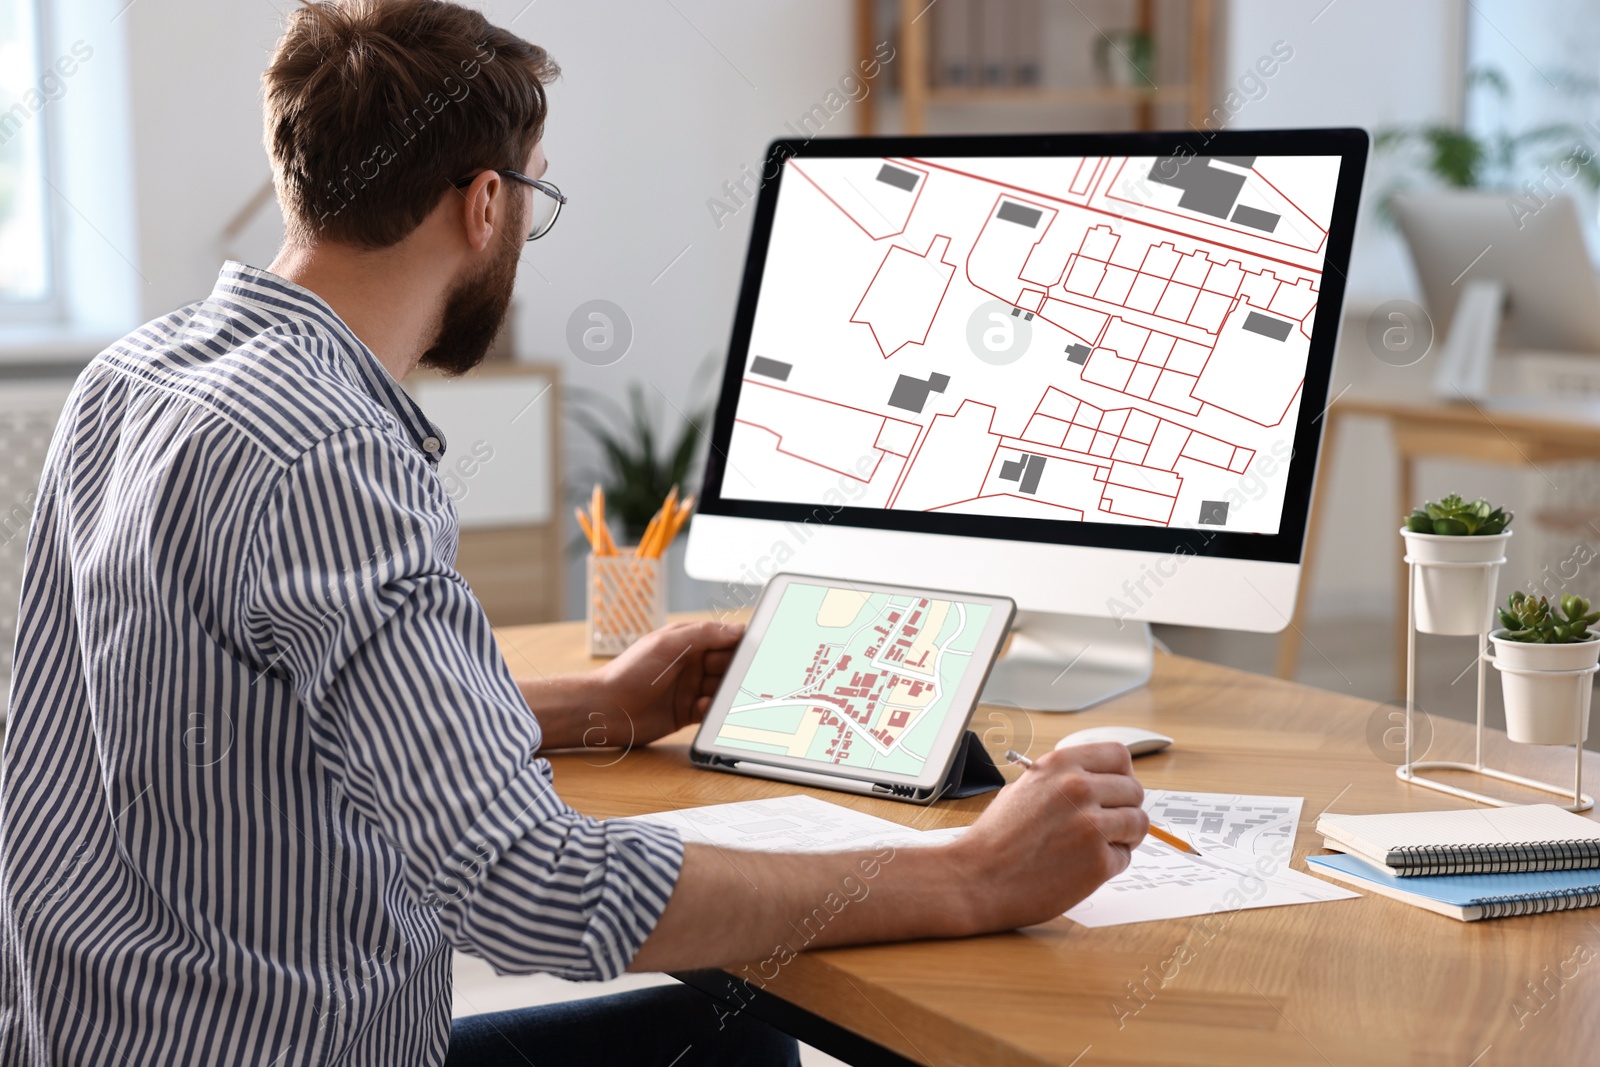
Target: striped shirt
265, 766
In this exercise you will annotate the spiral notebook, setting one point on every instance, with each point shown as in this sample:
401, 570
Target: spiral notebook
1470, 897
1527, 837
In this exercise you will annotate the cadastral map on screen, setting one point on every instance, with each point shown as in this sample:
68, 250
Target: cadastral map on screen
1112, 339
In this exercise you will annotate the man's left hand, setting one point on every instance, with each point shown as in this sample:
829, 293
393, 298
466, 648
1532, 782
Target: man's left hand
666, 679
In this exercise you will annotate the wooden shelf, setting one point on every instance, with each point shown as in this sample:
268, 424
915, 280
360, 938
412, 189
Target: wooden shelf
916, 94
1067, 96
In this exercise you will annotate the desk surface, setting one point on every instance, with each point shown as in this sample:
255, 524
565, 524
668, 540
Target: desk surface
1368, 981
1544, 415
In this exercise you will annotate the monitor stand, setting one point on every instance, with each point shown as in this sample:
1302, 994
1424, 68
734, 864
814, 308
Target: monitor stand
1069, 662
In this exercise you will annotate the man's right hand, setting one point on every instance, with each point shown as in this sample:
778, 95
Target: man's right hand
1051, 837
1046, 841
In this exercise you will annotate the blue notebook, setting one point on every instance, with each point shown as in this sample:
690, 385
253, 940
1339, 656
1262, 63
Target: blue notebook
1470, 896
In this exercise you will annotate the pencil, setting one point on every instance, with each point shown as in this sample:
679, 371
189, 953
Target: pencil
681, 517
1155, 831
660, 538
645, 548
670, 504
1176, 842
597, 518
664, 526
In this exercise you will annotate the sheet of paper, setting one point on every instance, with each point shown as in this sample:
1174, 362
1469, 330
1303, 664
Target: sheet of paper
1246, 843
798, 823
1258, 825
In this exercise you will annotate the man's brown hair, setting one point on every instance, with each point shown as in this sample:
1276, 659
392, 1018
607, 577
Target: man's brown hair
373, 107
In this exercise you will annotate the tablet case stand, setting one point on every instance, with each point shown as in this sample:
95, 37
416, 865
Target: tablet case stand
972, 771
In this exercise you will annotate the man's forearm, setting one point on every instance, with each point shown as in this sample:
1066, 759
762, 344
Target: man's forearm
570, 713
1045, 842
732, 906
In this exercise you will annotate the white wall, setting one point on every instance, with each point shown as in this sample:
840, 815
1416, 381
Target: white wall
660, 104
194, 89
1369, 63
655, 110
648, 121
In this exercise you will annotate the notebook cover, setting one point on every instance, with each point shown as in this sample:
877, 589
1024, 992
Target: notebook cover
1464, 890
1533, 837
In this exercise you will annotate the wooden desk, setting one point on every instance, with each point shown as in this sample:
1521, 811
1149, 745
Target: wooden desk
1524, 435
1354, 982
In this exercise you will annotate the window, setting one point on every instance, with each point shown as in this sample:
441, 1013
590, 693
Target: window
1532, 96
27, 275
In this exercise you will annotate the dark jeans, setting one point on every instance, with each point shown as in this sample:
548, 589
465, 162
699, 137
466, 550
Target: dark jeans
664, 1026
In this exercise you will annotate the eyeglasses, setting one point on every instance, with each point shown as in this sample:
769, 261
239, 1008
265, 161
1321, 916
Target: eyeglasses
546, 208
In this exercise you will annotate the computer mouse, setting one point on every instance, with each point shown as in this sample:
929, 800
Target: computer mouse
1139, 741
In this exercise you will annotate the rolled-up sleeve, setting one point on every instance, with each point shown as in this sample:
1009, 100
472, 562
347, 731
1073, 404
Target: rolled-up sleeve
354, 600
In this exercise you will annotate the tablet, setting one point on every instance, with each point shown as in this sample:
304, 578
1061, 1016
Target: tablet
854, 686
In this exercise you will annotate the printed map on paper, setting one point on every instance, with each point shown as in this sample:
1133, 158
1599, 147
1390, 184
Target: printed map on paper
1245, 843
1103, 339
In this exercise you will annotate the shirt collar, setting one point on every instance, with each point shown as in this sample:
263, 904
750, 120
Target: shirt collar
281, 297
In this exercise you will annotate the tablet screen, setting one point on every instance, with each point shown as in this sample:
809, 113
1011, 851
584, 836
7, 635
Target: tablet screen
857, 678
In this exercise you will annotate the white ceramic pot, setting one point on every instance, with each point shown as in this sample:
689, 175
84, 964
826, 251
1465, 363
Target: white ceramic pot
1455, 600
1544, 690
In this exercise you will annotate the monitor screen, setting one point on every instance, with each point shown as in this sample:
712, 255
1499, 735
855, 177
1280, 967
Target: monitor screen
1020, 344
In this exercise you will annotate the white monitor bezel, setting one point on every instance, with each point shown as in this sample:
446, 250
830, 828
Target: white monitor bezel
728, 533
1172, 587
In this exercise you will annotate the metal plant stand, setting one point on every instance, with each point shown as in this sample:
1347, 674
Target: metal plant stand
1408, 771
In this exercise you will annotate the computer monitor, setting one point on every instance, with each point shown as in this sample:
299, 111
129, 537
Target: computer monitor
1499, 271
1084, 371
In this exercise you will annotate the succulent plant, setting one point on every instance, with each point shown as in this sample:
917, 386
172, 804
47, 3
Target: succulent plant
1455, 517
1532, 620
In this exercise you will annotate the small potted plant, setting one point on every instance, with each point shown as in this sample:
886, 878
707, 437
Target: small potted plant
1543, 654
1126, 59
1456, 600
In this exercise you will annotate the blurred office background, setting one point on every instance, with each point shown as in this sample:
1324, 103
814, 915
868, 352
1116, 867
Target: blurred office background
131, 167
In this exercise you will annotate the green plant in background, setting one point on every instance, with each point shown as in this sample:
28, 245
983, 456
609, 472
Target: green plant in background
1126, 57
1459, 159
1533, 621
641, 461
1454, 517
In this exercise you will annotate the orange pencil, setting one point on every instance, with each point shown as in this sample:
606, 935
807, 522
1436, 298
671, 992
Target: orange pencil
588, 530
684, 510
1176, 842
668, 521
597, 515
646, 539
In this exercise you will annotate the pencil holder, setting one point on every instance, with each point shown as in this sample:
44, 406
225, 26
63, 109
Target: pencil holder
627, 598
